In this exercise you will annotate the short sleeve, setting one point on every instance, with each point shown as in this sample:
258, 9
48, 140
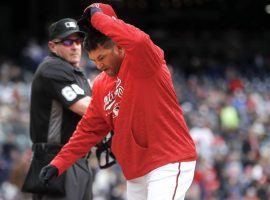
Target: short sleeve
62, 85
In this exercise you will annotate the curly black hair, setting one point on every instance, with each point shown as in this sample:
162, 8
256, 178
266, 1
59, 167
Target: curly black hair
94, 38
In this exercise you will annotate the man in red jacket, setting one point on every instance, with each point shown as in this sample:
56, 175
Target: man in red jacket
133, 96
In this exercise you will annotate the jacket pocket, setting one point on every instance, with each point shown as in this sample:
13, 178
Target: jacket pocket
129, 154
136, 143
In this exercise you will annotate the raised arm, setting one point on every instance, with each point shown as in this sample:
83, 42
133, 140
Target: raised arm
147, 56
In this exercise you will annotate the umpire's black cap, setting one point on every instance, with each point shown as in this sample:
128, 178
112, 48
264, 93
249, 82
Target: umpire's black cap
63, 28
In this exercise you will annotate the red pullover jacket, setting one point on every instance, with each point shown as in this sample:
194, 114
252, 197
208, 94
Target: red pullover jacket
139, 104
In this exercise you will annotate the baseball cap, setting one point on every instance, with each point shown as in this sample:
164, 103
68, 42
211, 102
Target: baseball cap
106, 9
63, 28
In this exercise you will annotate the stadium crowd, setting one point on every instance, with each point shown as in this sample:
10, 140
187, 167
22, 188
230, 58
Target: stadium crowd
223, 84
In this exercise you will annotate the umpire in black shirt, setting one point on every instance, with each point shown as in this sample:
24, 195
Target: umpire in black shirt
60, 96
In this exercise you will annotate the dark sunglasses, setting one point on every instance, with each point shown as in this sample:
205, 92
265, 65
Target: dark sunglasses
69, 42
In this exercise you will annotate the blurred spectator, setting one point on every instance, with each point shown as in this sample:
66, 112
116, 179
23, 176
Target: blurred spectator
229, 118
32, 54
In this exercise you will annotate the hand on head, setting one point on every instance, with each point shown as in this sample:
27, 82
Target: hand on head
93, 6
90, 10
84, 21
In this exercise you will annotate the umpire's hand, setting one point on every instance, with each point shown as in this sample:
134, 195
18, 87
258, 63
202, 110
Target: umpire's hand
47, 173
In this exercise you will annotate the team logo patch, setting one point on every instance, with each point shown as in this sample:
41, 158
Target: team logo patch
70, 24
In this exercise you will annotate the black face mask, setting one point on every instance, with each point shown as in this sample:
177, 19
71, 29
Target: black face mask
104, 153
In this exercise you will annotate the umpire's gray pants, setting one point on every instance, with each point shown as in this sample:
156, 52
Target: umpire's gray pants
78, 184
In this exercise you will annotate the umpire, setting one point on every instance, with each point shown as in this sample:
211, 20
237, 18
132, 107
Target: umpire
60, 96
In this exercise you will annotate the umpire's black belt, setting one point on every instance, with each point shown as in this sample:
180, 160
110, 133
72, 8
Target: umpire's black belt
46, 147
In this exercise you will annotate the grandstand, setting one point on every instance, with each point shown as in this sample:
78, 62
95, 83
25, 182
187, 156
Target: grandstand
219, 56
